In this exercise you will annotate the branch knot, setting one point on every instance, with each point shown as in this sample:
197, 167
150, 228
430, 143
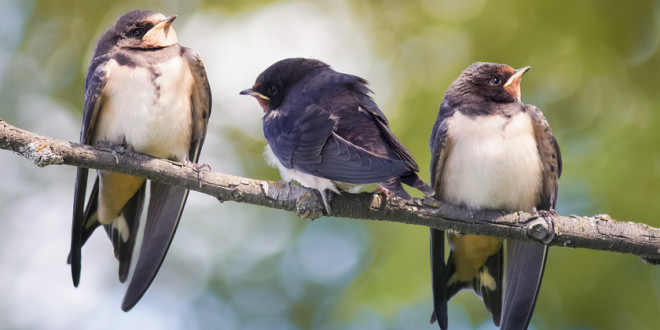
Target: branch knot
541, 229
40, 154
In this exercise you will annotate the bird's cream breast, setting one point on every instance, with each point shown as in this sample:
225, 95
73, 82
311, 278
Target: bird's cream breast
149, 107
493, 162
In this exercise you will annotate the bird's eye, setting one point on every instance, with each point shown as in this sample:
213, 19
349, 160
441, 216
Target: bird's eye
136, 33
272, 90
495, 81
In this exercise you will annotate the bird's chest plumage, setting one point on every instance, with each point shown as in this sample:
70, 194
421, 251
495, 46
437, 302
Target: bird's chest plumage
493, 162
149, 107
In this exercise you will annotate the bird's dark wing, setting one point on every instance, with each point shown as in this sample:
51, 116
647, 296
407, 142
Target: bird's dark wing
201, 102
346, 162
97, 77
305, 140
526, 259
439, 150
94, 84
367, 103
550, 158
438, 144
167, 202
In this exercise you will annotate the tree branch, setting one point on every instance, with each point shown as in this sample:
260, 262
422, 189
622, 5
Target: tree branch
599, 232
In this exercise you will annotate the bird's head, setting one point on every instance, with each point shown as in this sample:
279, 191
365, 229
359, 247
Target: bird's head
493, 82
274, 83
144, 29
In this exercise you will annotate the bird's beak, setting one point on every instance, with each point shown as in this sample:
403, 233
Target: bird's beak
164, 24
160, 35
516, 76
251, 92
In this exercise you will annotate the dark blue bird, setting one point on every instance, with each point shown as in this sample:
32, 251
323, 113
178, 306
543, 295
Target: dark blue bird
325, 131
491, 151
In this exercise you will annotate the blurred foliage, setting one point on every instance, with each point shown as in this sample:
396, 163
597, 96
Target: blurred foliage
595, 75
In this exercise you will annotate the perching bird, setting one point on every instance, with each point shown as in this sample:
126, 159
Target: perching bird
326, 132
491, 151
145, 92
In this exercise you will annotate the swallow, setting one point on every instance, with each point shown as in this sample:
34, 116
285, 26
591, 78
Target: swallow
145, 92
491, 151
326, 132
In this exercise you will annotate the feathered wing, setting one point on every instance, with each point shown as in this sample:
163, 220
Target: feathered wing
167, 202
201, 102
367, 103
77, 224
311, 145
550, 158
438, 145
411, 177
524, 276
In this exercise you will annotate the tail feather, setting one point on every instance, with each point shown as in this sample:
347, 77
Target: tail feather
524, 273
91, 219
413, 180
439, 278
487, 284
394, 186
123, 232
123, 246
454, 286
165, 208
77, 224
84, 227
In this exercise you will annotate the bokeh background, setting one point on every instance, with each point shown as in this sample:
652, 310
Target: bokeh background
232, 266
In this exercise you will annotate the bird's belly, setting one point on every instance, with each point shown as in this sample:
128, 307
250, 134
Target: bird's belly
493, 163
149, 108
305, 179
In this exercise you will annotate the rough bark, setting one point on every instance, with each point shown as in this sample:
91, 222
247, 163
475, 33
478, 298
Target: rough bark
599, 232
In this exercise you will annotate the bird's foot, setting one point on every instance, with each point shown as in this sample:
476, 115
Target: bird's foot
198, 168
471, 213
386, 197
383, 191
544, 213
389, 196
307, 206
116, 148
